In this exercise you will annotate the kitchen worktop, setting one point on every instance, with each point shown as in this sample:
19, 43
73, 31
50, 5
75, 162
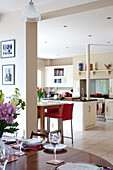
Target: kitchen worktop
74, 100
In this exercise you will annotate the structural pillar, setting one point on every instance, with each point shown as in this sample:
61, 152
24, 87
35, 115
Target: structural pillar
88, 70
31, 78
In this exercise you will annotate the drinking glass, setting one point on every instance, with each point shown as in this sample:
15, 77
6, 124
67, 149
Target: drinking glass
4, 156
19, 141
54, 139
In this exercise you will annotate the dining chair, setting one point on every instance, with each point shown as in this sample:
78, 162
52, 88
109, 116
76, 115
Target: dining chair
46, 135
66, 114
38, 135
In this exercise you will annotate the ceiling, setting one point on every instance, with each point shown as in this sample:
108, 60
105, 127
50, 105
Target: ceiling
62, 35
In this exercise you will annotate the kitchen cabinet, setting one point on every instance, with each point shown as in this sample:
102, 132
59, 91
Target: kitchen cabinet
109, 109
85, 115
49, 74
76, 88
68, 76
111, 88
89, 116
59, 76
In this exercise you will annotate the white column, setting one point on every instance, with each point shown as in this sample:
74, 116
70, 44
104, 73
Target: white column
31, 78
88, 70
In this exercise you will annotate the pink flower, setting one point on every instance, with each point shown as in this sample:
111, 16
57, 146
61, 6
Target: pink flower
37, 88
7, 112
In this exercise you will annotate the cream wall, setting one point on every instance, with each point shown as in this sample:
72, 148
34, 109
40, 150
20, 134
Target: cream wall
63, 61
12, 27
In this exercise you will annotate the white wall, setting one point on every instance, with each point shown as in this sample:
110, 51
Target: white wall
12, 27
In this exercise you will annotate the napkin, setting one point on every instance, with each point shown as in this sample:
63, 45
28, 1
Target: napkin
79, 166
33, 141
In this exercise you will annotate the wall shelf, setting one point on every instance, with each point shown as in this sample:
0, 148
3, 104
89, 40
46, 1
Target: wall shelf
95, 71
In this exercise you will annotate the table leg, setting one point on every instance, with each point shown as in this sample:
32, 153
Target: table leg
42, 124
60, 124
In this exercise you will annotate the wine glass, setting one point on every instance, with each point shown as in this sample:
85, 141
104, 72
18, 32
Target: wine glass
54, 139
4, 156
19, 141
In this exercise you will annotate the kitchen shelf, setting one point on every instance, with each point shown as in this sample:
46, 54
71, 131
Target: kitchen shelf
59, 72
95, 71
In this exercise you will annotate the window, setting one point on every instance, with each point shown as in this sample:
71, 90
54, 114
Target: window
38, 78
102, 86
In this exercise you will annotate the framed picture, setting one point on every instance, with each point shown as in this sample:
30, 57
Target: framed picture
8, 74
8, 49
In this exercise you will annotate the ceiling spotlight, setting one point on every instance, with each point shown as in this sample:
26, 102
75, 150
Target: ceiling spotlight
67, 47
108, 42
45, 42
57, 54
65, 26
109, 17
30, 13
89, 35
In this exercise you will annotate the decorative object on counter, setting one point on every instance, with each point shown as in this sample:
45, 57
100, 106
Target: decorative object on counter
8, 49
9, 112
95, 66
80, 66
8, 74
91, 67
40, 93
60, 97
85, 67
107, 66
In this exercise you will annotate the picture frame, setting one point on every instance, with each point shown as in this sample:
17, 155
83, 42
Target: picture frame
8, 74
8, 48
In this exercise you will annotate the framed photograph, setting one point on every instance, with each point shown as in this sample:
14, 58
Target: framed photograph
8, 49
8, 74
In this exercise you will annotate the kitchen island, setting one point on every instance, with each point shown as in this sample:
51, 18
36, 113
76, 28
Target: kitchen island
84, 113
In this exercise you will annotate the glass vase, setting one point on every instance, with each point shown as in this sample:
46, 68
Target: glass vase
39, 99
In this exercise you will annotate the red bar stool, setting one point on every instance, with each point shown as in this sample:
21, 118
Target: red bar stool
67, 110
51, 110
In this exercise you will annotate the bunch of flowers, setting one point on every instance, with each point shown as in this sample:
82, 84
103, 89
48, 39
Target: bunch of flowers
9, 112
40, 93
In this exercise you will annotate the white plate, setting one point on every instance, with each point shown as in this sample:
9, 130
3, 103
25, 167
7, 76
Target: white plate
10, 140
78, 166
58, 147
34, 144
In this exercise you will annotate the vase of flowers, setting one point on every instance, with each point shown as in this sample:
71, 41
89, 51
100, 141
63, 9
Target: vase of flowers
9, 112
40, 93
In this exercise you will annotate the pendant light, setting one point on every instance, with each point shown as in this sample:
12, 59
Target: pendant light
30, 13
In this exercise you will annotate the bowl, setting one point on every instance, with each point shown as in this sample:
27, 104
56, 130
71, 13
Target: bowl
60, 98
97, 94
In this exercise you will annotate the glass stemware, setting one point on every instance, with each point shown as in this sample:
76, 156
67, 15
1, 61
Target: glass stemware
19, 141
4, 156
54, 139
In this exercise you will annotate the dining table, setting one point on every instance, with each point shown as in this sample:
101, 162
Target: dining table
47, 105
37, 160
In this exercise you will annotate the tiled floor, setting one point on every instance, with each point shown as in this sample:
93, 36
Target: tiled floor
98, 140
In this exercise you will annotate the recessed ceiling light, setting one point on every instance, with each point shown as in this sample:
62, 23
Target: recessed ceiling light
57, 54
67, 47
89, 35
109, 17
108, 42
45, 42
65, 26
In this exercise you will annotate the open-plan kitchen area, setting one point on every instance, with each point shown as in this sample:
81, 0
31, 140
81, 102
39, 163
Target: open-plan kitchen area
56, 84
